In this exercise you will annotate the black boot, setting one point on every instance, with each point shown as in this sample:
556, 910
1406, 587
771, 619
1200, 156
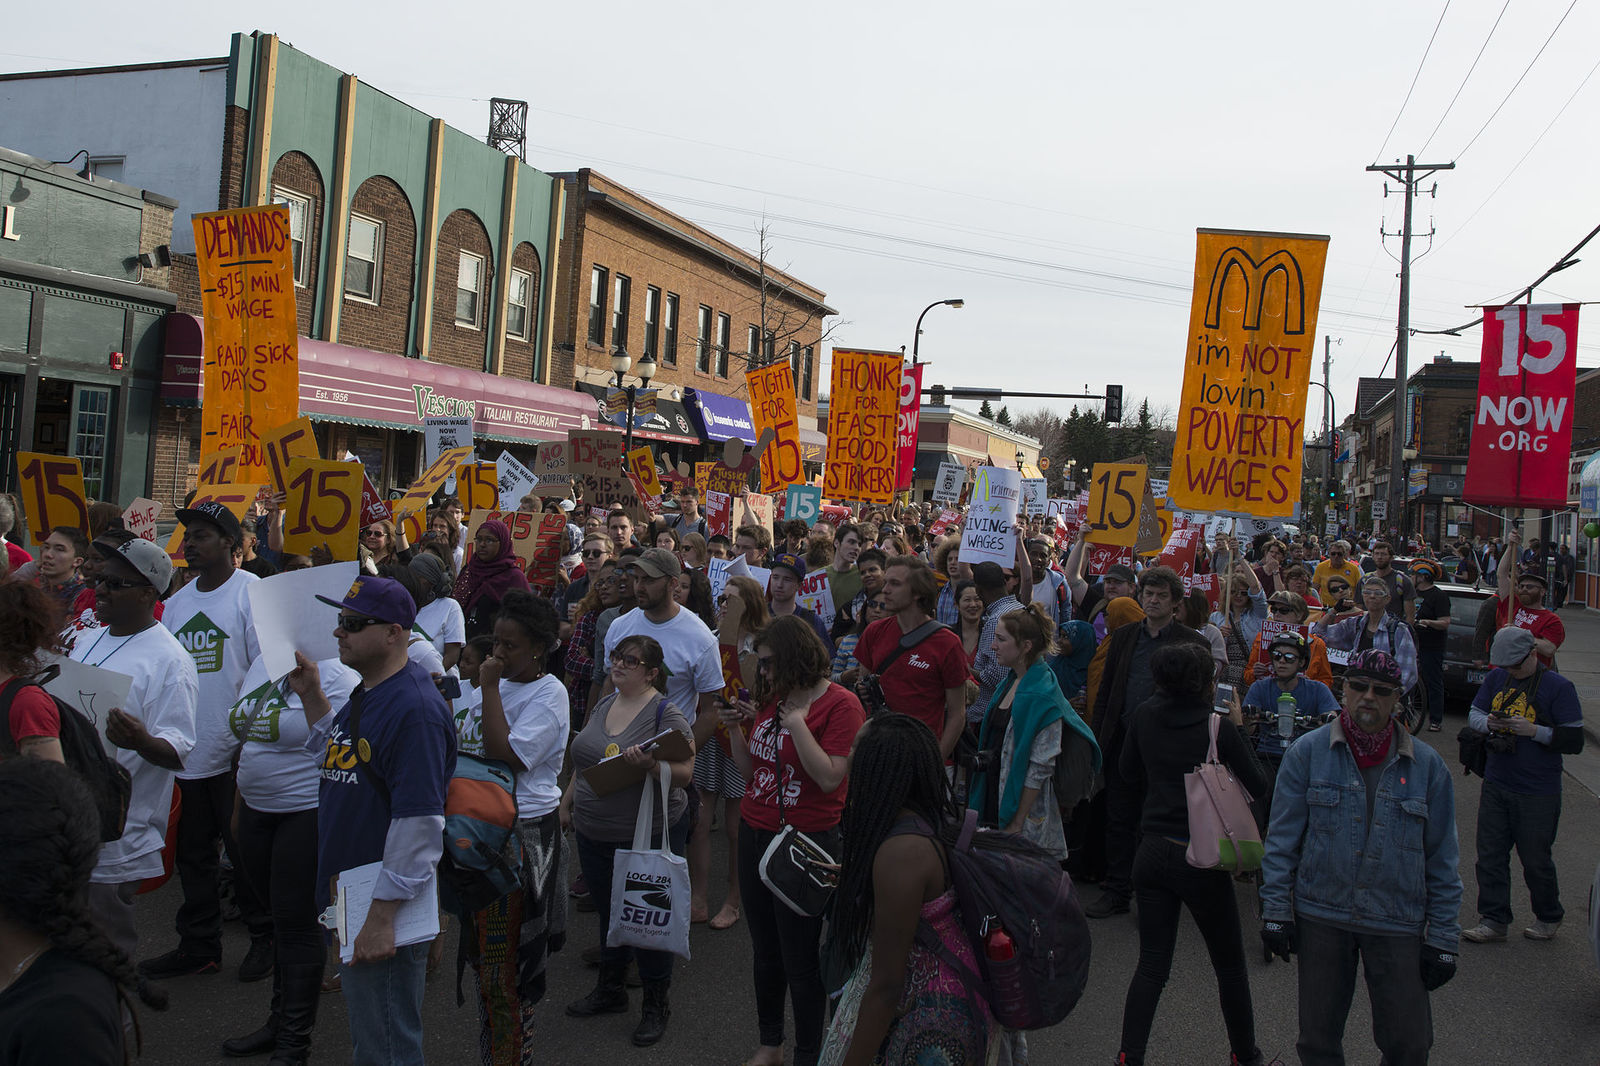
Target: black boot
609, 995
302, 989
653, 1019
265, 1038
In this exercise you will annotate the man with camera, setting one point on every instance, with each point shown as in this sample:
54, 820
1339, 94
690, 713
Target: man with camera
918, 667
1532, 717
1362, 815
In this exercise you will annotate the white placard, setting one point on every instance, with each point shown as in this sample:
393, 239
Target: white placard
989, 534
947, 487
1035, 493
93, 690
290, 618
1158, 488
439, 435
140, 518
816, 595
513, 480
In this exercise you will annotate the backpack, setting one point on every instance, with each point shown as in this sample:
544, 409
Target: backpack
109, 783
482, 858
1005, 883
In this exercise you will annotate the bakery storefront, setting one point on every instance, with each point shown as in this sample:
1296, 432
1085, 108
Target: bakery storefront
372, 405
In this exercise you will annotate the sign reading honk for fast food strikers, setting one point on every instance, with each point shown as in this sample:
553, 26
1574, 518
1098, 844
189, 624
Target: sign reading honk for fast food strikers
1247, 368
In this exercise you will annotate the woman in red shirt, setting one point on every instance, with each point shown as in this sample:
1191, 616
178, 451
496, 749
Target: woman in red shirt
793, 761
30, 619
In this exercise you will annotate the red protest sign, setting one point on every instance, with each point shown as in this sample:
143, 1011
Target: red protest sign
1272, 627
1180, 551
719, 514
1206, 583
1103, 557
1522, 432
946, 519
373, 509
910, 411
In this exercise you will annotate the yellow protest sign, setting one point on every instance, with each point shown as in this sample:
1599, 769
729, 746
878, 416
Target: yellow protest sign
323, 508
643, 465
237, 498
220, 467
1252, 327
290, 441
773, 407
863, 423
416, 497
251, 362
477, 487
1116, 493
52, 493
702, 479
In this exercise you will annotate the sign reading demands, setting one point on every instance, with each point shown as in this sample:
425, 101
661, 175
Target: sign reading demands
989, 534
1522, 432
251, 365
862, 417
1241, 416
772, 406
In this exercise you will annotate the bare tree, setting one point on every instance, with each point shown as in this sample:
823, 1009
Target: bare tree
784, 313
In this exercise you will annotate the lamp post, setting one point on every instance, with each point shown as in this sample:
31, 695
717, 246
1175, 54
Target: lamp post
916, 338
1020, 458
620, 361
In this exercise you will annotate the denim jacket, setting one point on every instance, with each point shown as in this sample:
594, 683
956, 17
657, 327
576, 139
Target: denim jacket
1321, 862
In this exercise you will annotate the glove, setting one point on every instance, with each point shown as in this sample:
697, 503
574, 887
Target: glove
1437, 967
1281, 938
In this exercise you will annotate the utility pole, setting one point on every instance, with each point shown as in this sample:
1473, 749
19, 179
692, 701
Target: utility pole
1409, 176
1327, 426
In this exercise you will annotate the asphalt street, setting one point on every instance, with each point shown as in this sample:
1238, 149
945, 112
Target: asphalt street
1519, 1001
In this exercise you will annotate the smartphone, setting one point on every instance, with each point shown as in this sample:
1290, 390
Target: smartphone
450, 687
1224, 700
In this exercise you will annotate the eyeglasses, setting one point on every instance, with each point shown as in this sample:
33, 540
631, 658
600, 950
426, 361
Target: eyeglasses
372, 532
117, 584
355, 623
1283, 608
594, 553
627, 662
875, 605
1285, 656
1356, 684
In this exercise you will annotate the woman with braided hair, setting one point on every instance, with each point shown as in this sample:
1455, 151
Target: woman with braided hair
903, 1003
63, 985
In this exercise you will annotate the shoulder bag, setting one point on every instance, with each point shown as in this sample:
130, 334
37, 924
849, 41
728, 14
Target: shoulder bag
795, 868
1223, 834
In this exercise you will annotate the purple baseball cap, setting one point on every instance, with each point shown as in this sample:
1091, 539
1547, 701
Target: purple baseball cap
378, 597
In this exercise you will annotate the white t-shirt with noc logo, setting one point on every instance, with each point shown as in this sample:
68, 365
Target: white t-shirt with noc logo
218, 631
276, 773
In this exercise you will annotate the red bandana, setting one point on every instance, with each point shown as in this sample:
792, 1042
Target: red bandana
1370, 749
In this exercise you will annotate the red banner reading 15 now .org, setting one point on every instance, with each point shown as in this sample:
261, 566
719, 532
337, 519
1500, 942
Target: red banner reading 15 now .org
1522, 429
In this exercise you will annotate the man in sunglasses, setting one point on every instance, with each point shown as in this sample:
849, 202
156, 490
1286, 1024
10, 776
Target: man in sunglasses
1288, 656
1361, 862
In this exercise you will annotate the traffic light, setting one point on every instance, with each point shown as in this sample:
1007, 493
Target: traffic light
936, 395
1334, 441
1113, 404
1333, 493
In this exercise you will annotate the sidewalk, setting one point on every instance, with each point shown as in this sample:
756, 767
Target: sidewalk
1579, 662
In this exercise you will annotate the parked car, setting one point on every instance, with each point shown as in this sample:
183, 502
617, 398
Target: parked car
1464, 664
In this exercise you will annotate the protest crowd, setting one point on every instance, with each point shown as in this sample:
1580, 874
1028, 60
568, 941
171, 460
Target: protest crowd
479, 725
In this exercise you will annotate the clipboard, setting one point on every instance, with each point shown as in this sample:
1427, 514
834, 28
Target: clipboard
415, 921
614, 774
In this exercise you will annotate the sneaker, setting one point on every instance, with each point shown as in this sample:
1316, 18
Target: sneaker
1484, 933
178, 963
1434, 727
258, 961
1541, 930
579, 888
1107, 905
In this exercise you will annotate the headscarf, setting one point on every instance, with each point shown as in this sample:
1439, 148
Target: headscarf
491, 578
428, 567
1119, 612
1072, 668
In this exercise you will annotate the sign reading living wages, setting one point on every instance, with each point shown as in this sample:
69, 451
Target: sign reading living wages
250, 370
1247, 368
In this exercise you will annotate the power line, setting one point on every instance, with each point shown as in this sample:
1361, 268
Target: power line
1513, 88
1468, 77
1414, 78
1561, 264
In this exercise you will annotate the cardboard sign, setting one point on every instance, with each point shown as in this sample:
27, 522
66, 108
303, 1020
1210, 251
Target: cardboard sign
1035, 494
322, 508
863, 414
989, 534
550, 463
444, 434
1116, 493
52, 493
140, 518
773, 407
816, 595
909, 415
415, 501
478, 488
220, 467
595, 460
290, 441
643, 465
702, 481
1152, 531
1103, 557
719, 514
251, 362
756, 509
537, 540
947, 487
803, 502
1249, 350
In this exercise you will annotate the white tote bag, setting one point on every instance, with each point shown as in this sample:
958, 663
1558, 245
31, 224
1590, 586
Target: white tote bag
649, 886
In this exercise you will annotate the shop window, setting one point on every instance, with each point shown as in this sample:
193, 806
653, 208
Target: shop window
91, 426
469, 291
598, 278
752, 343
517, 304
669, 325
299, 212
702, 341
769, 348
363, 256
724, 333
652, 320
621, 294
794, 362
807, 371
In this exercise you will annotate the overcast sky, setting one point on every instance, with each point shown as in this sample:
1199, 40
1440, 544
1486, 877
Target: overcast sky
1046, 163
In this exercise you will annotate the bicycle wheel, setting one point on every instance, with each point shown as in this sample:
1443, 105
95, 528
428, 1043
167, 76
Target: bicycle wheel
1411, 711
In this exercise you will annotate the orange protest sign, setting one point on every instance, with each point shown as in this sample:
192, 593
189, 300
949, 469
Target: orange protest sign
702, 480
863, 422
251, 362
52, 493
323, 508
1116, 491
643, 465
416, 497
290, 441
220, 467
1252, 327
477, 486
772, 406
238, 498
537, 540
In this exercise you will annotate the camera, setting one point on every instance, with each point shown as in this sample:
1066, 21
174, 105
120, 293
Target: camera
1501, 743
874, 700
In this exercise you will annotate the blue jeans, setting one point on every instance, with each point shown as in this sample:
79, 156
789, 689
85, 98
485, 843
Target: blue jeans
597, 859
385, 1004
1402, 1018
1506, 818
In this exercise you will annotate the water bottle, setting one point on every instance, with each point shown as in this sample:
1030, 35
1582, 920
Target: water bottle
1005, 969
1287, 709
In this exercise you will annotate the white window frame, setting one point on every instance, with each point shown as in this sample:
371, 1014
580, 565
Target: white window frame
526, 279
377, 260
477, 320
291, 199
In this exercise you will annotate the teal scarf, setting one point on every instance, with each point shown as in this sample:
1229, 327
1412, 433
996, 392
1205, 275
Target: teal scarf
1038, 703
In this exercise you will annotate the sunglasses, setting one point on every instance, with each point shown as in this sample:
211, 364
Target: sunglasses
372, 532
355, 623
594, 553
117, 584
1285, 656
1356, 684
1283, 608
1338, 590
875, 605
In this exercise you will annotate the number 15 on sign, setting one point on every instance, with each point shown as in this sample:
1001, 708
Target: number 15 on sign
1115, 492
323, 507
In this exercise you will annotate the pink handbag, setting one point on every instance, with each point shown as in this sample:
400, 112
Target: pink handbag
1222, 829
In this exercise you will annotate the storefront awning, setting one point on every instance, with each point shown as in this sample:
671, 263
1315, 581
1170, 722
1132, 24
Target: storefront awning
813, 446
928, 464
340, 383
720, 417
670, 422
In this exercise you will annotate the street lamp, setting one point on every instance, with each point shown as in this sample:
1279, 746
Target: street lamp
916, 338
1020, 458
620, 361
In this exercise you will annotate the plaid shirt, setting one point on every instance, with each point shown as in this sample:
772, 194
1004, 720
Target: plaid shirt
580, 664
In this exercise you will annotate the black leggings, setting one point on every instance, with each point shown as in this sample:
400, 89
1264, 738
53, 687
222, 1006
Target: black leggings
1165, 883
278, 853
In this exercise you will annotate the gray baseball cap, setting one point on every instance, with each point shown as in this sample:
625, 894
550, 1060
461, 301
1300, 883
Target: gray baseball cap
1511, 645
145, 556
